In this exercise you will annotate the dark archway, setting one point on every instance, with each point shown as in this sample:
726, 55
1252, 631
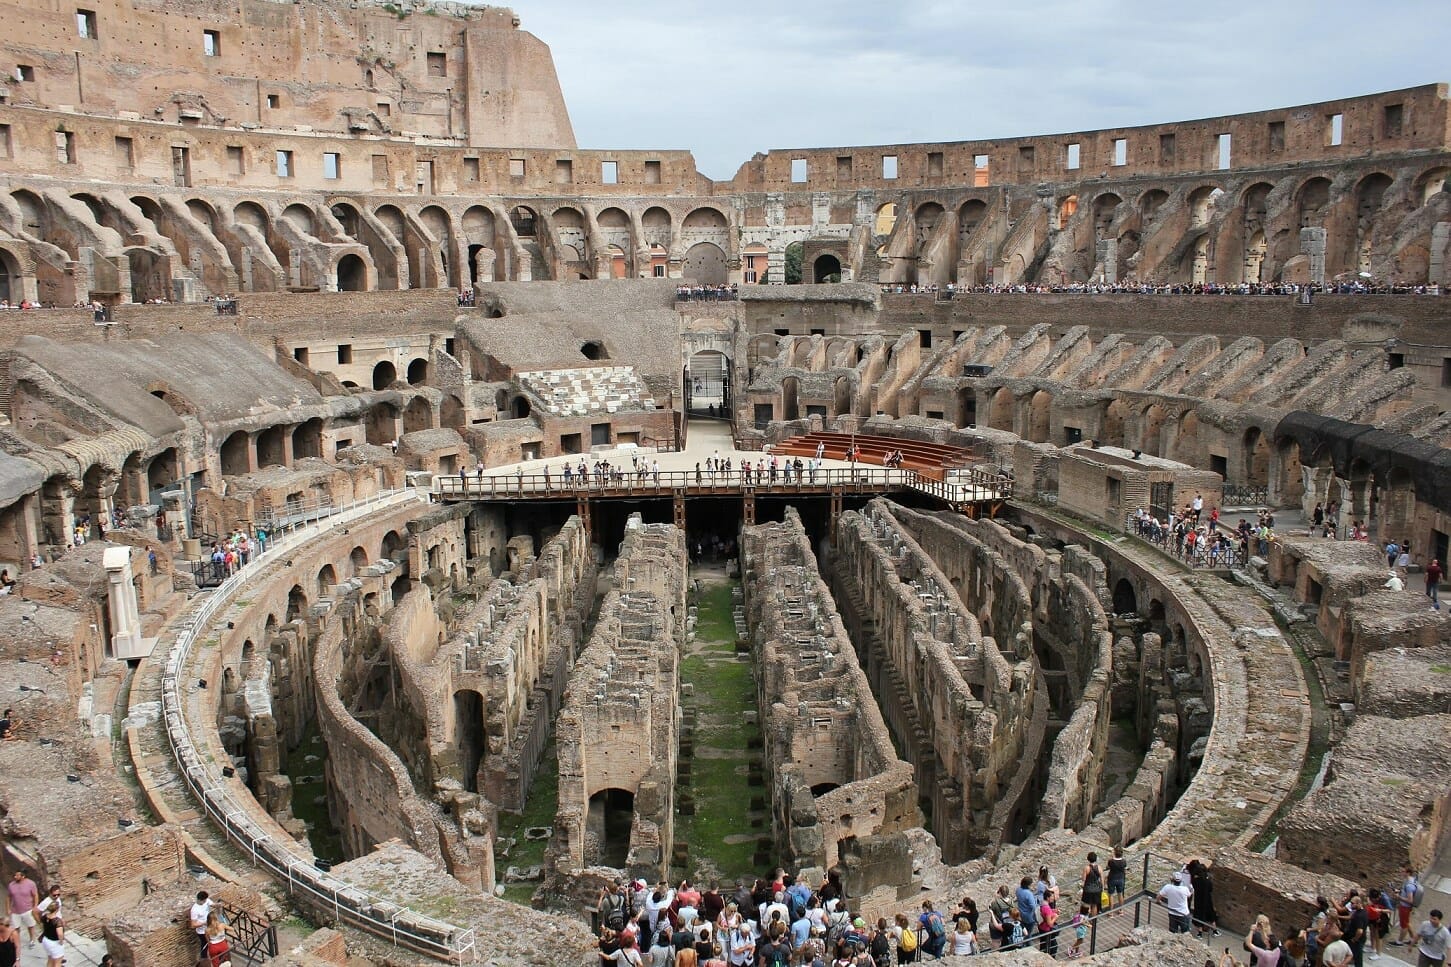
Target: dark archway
352, 274
418, 372
234, 454
826, 268
385, 374
468, 710
1125, 601
611, 814
307, 440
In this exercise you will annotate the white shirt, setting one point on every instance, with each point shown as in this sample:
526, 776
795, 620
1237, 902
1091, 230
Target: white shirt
199, 914
1176, 895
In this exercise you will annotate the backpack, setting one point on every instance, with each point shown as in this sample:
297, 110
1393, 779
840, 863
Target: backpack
881, 948
909, 940
1093, 883
1418, 893
934, 925
614, 915
777, 955
795, 905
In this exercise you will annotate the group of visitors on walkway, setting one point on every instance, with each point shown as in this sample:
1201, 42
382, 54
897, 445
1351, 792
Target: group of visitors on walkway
706, 293
1341, 287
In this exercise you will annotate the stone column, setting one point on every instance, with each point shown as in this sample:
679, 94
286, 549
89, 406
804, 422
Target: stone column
121, 603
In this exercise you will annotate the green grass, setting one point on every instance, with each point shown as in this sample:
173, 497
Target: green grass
539, 810
724, 691
1441, 669
322, 835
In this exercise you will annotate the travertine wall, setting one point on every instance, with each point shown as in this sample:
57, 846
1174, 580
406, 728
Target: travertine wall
620, 723
834, 774
970, 716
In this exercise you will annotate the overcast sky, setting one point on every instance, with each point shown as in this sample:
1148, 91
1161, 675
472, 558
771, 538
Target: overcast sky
726, 80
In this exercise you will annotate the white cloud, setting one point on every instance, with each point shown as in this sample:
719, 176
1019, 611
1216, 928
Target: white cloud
727, 81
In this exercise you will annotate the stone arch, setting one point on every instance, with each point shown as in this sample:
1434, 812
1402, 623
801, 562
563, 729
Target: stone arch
1310, 202
300, 217
162, 473
417, 415
1362, 490
519, 407
926, 218
1152, 429
1150, 202
1111, 428
297, 604
12, 283
1067, 208
969, 216
235, 455
417, 374
705, 218
1125, 600
613, 218
1201, 202
358, 559
704, 263
1040, 409
1000, 417
885, 219
826, 268
612, 815
270, 449
469, 735
352, 273
1187, 445
1290, 475
203, 212
841, 396
326, 578
1431, 183
1256, 453
480, 234
390, 546
385, 374
382, 426
307, 440
657, 227
451, 412
790, 398
1105, 206
525, 221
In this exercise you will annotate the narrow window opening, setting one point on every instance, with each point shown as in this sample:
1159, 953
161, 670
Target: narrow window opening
1223, 147
86, 25
798, 171
211, 43
563, 172
609, 173
331, 165
1075, 156
437, 64
652, 172
1335, 130
1120, 151
284, 164
889, 167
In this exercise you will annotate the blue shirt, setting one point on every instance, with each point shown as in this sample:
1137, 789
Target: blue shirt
1027, 906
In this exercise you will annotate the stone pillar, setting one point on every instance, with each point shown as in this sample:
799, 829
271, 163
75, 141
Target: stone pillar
1108, 258
121, 602
1312, 244
1440, 253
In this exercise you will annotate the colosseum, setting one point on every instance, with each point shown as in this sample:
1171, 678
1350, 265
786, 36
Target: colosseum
418, 530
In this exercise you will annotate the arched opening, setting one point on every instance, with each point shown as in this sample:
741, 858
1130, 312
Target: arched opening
1150, 203
418, 372
611, 815
927, 217
352, 274
1156, 614
519, 408
886, 219
1039, 413
11, 289
326, 578
270, 451
709, 376
1150, 438
301, 218
826, 268
234, 454
307, 440
1001, 416
1291, 474
523, 219
704, 264
969, 216
418, 415
1125, 601
966, 407
1201, 203
1105, 206
468, 713
1256, 458
161, 474
393, 548
594, 349
1311, 201
382, 424
1067, 208
790, 398
358, 559
822, 788
385, 374
1111, 429
841, 396
296, 604
619, 266
1431, 184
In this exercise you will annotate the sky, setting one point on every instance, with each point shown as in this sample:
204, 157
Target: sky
726, 80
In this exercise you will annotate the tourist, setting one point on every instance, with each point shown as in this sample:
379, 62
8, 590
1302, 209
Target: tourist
1079, 923
1406, 898
1048, 923
1357, 926
21, 894
1432, 941
1027, 905
906, 940
1092, 884
625, 954
9, 945
1259, 935
740, 942
218, 949
998, 915
200, 910
1118, 874
1206, 919
1263, 956
1176, 896
933, 930
963, 938
52, 937
1433, 582
1338, 954
662, 953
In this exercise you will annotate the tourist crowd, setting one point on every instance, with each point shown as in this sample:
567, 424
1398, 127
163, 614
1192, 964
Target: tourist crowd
706, 293
781, 921
1345, 287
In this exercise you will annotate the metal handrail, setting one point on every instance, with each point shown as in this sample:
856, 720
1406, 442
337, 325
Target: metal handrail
348, 902
974, 486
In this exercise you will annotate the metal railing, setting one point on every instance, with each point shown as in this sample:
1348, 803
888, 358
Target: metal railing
631, 483
1213, 554
346, 901
1234, 496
